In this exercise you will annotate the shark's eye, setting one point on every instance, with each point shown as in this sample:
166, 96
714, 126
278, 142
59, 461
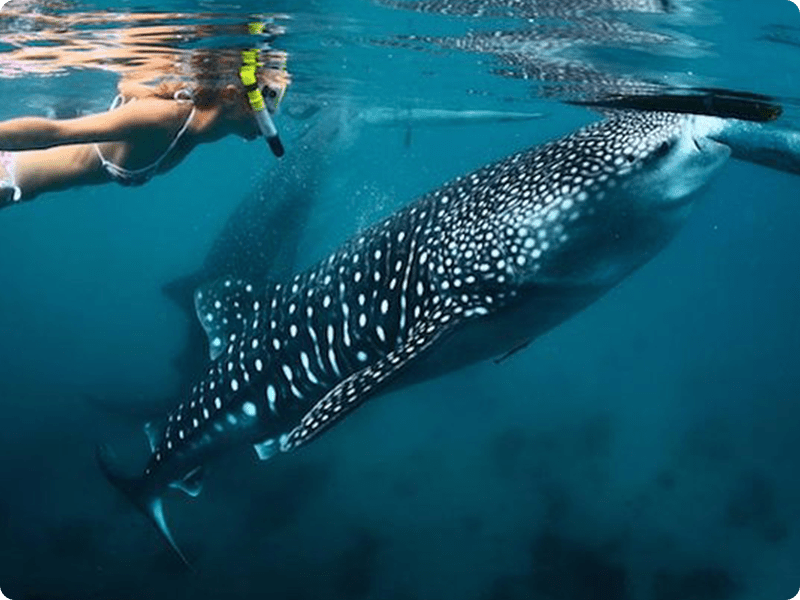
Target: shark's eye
662, 150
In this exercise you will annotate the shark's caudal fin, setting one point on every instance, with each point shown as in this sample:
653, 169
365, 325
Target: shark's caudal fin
133, 489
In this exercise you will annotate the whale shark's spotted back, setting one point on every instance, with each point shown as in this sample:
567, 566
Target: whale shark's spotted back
507, 252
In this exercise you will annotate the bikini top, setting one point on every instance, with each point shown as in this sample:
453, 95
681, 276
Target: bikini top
134, 177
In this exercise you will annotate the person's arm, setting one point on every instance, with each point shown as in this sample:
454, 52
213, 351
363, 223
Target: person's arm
33, 133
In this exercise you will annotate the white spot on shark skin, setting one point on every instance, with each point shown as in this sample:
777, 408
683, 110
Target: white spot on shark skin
334, 364
249, 409
307, 366
272, 395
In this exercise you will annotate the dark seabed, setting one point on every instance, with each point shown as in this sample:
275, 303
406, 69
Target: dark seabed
643, 450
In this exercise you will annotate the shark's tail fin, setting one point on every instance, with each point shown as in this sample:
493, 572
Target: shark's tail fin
134, 490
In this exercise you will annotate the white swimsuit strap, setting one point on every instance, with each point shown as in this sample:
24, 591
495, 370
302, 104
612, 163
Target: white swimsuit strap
123, 172
177, 138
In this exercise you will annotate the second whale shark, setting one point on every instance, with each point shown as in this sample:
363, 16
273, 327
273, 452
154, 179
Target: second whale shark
475, 269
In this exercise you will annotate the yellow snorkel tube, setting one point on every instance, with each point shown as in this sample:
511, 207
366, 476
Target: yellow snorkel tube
247, 73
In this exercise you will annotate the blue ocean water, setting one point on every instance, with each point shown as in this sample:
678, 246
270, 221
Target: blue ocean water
643, 450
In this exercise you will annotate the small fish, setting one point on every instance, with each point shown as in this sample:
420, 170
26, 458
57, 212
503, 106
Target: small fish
470, 271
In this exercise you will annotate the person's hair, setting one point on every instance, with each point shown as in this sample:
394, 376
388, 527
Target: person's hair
206, 74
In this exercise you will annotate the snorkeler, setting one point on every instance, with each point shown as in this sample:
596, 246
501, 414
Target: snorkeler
147, 130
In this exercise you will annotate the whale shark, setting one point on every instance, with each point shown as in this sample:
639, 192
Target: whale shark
261, 237
475, 269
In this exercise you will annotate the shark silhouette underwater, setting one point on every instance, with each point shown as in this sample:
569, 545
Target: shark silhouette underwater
472, 270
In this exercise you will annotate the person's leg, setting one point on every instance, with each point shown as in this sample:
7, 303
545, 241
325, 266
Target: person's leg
9, 191
56, 169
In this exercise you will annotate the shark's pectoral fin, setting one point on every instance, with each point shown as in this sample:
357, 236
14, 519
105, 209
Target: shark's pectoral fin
192, 484
223, 308
361, 385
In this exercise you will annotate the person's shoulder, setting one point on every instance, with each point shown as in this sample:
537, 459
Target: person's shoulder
156, 111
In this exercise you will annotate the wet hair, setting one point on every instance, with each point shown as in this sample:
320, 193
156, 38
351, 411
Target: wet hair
206, 74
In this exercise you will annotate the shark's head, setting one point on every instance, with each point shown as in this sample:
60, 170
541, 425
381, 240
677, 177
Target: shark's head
666, 162
609, 196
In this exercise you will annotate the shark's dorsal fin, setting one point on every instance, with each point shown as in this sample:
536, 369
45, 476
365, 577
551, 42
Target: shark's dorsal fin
354, 390
224, 308
191, 484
